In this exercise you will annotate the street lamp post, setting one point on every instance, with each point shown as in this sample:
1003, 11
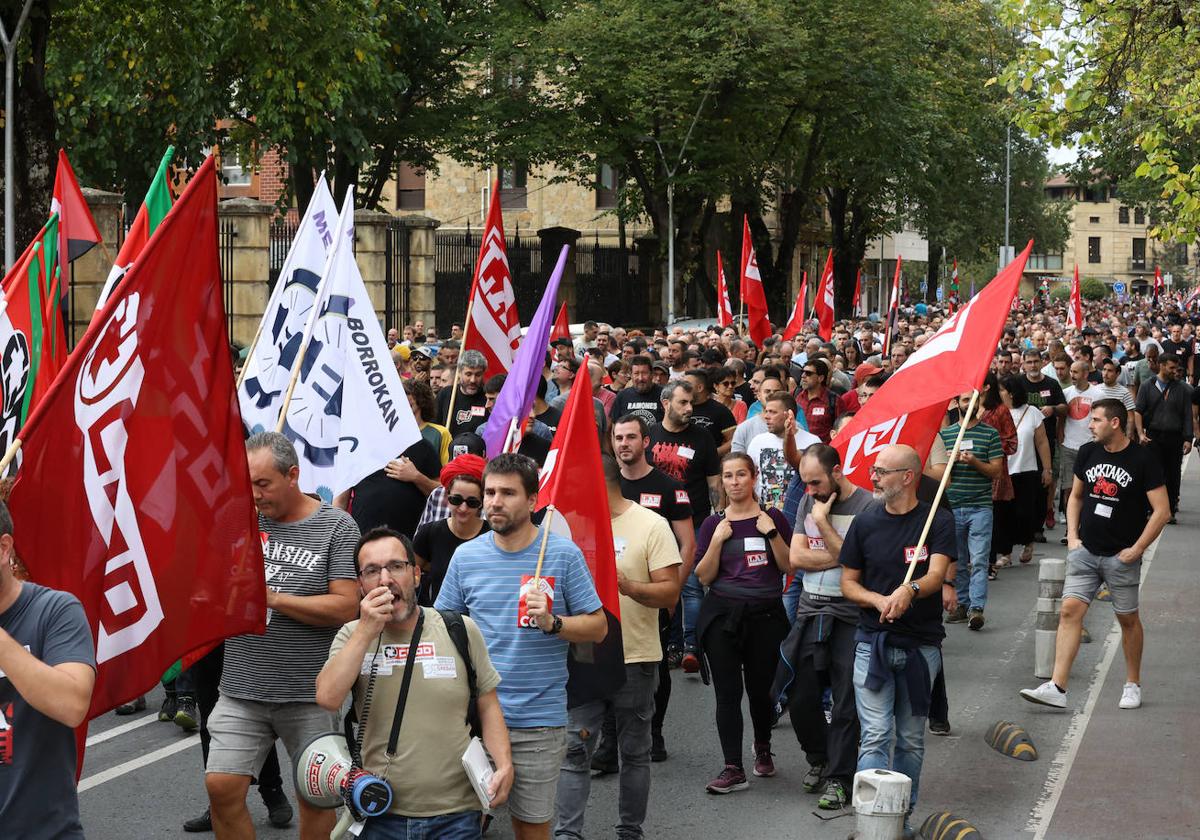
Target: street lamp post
10, 56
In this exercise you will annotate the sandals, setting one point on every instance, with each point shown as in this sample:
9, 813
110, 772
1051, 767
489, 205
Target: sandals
1003, 561
1027, 554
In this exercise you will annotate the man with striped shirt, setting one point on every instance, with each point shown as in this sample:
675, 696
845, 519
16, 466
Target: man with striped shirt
528, 628
268, 685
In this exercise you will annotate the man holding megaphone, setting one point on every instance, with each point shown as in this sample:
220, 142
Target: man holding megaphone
414, 736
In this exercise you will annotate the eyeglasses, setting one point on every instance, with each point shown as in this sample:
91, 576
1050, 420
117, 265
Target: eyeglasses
473, 502
394, 569
808, 373
728, 384
885, 471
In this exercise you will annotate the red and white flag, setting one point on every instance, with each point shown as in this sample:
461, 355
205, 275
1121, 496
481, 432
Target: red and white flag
493, 327
823, 305
795, 322
857, 291
724, 310
909, 407
572, 480
1075, 307
893, 308
139, 444
1158, 281
77, 231
752, 290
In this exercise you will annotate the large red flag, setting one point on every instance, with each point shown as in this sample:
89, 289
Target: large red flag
562, 327
573, 482
796, 318
1075, 307
909, 407
823, 306
752, 290
139, 444
77, 231
492, 325
724, 310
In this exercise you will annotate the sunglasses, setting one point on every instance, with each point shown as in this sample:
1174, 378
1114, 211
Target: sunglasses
473, 502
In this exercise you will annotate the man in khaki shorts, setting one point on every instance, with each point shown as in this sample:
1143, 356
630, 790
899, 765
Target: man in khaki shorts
1108, 530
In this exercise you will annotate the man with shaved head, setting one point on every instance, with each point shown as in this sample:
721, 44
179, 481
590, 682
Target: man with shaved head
898, 652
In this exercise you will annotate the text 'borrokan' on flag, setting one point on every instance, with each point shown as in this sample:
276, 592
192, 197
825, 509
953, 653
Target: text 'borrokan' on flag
139, 446
572, 480
348, 414
908, 409
268, 367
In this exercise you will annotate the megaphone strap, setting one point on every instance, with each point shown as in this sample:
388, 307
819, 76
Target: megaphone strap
409, 661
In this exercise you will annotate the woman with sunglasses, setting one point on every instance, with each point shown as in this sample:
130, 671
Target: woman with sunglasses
741, 556
724, 383
436, 542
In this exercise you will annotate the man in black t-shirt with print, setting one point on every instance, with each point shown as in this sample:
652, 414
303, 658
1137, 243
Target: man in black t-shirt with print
642, 397
900, 629
688, 455
1116, 484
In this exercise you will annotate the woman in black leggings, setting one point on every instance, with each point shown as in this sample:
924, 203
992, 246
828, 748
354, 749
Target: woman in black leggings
741, 556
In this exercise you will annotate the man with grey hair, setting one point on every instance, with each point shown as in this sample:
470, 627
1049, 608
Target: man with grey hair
268, 685
470, 404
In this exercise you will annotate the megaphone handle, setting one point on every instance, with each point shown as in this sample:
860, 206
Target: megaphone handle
343, 825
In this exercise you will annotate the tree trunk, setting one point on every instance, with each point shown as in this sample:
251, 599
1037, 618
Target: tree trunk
932, 278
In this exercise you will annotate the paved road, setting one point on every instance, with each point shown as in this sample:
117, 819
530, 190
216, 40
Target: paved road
1102, 773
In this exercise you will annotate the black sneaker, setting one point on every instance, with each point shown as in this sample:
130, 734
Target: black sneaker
658, 748
187, 716
939, 727
166, 712
834, 798
199, 824
814, 778
674, 657
279, 810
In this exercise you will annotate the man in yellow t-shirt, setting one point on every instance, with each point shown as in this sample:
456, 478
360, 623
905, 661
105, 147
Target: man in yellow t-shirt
648, 580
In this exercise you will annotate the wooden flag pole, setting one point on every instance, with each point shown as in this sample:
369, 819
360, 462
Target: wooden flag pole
962, 428
537, 573
512, 433
9, 454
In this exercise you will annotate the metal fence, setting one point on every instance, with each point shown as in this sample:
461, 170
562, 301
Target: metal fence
279, 239
397, 289
455, 254
607, 285
226, 233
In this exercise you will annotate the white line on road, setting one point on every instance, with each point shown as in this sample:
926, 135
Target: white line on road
117, 731
135, 764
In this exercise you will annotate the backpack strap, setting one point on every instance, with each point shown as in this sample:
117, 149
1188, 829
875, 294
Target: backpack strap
457, 628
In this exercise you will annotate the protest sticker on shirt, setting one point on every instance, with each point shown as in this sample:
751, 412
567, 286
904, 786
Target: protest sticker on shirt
545, 585
681, 498
816, 543
756, 558
650, 500
687, 452
911, 555
818, 411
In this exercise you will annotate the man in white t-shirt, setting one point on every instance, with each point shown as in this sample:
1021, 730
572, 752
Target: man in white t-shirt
770, 452
1080, 395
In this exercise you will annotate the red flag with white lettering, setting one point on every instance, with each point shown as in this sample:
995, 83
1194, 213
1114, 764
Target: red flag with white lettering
823, 306
139, 444
572, 481
796, 319
492, 325
724, 310
1075, 307
752, 290
909, 407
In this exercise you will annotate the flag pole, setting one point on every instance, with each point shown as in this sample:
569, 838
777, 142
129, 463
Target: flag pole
9, 454
537, 573
287, 398
512, 433
454, 384
962, 428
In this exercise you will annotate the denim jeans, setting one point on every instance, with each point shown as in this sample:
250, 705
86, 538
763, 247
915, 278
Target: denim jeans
791, 597
973, 525
693, 596
463, 826
886, 714
633, 706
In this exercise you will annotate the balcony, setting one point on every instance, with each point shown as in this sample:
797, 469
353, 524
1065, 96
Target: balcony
1139, 264
1044, 262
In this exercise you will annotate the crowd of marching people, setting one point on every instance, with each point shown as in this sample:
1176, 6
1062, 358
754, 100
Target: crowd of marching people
430, 598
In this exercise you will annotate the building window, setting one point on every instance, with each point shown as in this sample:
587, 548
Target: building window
1095, 220
514, 179
1093, 249
410, 187
1097, 193
232, 171
1138, 261
1139, 216
608, 187
1123, 215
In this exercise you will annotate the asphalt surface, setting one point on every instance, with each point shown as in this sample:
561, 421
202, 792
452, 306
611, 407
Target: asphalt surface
1101, 772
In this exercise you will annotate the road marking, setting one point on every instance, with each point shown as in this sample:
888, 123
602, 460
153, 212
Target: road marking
135, 764
1060, 769
117, 731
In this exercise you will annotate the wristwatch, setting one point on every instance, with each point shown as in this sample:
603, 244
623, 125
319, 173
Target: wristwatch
555, 626
915, 587
772, 534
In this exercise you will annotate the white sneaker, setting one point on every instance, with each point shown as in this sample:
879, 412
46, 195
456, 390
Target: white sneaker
1047, 694
1131, 696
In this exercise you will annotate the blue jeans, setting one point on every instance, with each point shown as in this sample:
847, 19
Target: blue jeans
464, 826
633, 706
791, 597
693, 596
973, 525
886, 714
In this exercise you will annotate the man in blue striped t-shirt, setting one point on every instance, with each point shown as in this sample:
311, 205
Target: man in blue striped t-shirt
527, 629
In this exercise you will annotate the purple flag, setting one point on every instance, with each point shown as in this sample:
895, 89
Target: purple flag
515, 399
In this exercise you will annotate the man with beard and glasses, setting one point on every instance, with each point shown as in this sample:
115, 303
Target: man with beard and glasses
897, 650
439, 801
528, 624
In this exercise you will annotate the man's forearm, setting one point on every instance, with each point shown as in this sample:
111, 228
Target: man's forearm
495, 731
810, 559
318, 610
658, 595
592, 627
63, 694
340, 673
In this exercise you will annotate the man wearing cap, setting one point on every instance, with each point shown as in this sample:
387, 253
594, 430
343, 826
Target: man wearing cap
420, 361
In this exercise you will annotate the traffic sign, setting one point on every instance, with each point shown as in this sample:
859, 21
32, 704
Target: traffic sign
1119, 288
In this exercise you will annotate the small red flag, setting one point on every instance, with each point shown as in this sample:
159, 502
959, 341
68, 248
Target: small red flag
893, 308
140, 440
562, 327
77, 231
796, 319
824, 302
724, 310
1075, 307
1158, 281
752, 289
492, 325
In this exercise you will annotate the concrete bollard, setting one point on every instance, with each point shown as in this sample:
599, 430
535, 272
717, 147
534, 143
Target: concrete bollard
880, 801
1051, 575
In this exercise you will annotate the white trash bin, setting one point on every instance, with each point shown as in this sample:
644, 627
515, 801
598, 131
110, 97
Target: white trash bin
880, 799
